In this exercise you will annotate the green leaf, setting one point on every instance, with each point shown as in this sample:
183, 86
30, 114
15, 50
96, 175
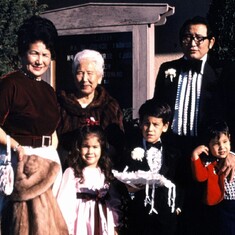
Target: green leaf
12, 15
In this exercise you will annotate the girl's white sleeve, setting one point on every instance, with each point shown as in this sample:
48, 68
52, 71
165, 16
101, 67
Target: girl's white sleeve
67, 198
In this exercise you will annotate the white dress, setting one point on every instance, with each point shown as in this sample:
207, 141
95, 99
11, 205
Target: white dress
80, 213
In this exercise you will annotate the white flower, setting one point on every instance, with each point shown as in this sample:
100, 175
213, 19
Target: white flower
170, 73
138, 154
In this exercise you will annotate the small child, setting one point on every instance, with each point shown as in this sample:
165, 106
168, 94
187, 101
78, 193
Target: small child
87, 202
219, 191
151, 211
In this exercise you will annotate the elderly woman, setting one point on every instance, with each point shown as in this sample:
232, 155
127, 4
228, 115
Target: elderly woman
91, 104
29, 114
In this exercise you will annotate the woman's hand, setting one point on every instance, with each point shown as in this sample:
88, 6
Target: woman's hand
14, 144
227, 167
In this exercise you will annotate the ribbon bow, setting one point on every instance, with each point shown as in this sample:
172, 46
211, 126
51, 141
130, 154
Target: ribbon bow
92, 122
194, 65
157, 145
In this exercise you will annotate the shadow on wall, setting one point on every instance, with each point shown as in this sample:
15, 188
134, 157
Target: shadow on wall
161, 58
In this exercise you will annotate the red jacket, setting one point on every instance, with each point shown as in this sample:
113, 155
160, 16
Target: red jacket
214, 192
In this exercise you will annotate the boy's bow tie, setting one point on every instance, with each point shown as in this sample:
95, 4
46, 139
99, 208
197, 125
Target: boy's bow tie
157, 145
194, 65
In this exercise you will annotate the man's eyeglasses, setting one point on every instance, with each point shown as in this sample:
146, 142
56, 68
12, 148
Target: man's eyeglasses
197, 39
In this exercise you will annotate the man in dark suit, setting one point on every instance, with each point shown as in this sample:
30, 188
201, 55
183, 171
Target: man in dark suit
191, 81
149, 210
190, 85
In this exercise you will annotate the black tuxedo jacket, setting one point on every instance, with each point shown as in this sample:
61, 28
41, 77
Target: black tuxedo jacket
209, 106
170, 169
228, 85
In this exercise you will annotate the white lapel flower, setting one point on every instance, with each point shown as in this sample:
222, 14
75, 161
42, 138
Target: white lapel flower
137, 154
170, 73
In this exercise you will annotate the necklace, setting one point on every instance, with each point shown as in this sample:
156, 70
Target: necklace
29, 76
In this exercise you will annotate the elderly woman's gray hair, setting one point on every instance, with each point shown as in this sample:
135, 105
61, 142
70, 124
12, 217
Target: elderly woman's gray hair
93, 56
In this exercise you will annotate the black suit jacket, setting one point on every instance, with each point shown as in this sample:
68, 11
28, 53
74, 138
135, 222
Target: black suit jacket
209, 106
228, 97
170, 169
140, 221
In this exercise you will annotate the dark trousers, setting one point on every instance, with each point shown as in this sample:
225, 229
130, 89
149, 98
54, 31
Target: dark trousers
226, 214
193, 219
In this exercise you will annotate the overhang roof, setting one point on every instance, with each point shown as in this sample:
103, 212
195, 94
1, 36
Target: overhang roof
95, 15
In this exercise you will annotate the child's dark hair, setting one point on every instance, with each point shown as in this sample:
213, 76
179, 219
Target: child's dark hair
156, 109
75, 160
215, 130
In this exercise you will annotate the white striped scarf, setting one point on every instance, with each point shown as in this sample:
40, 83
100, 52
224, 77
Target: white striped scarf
187, 98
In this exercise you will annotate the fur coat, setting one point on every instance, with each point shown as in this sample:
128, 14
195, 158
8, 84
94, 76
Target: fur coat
104, 109
33, 209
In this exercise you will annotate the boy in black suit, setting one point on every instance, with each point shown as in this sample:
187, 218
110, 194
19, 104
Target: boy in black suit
154, 208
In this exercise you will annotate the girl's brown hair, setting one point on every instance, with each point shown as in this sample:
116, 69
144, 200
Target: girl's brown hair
75, 160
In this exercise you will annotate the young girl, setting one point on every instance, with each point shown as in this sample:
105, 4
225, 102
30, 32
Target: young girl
219, 191
86, 196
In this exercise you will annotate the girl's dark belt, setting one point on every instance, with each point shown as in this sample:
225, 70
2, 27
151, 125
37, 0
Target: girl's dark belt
95, 197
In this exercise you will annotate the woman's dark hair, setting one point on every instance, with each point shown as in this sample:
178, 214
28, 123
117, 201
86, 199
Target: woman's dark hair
75, 160
215, 130
195, 20
156, 109
36, 29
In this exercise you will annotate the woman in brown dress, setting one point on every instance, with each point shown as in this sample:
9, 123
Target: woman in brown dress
29, 115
